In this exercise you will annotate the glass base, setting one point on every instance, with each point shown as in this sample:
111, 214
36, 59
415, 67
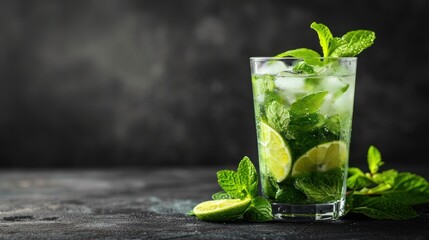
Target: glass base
308, 212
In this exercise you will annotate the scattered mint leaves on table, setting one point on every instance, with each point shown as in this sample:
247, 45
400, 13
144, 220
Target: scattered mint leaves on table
385, 195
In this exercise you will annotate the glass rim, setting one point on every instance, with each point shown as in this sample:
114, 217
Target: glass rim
259, 59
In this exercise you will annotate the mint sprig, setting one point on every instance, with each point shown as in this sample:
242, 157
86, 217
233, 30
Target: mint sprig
242, 184
385, 195
349, 45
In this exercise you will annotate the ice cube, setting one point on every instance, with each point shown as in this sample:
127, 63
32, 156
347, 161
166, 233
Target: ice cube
334, 85
327, 104
343, 104
272, 68
292, 86
289, 83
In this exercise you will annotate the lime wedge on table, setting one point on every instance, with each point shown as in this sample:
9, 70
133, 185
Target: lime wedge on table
321, 158
221, 210
274, 152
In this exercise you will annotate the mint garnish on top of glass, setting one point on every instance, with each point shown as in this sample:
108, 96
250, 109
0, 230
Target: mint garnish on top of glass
349, 45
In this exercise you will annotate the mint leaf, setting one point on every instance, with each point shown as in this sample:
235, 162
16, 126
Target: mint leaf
302, 67
337, 46
229, 181
308, 104
358, 182
277, 116
259, 210
248, 177
263, 84
307, 122
413, 197
287, 192
357, 41
299, 53
325, 36
409, 189
304, 116
333, 123
221, 195
382, 208
290, 194
374, 159
387, 177
310, 56
321, 187
409, 181
352, 171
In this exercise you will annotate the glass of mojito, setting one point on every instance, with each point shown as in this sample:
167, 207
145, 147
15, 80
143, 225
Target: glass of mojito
303, 125
303, 109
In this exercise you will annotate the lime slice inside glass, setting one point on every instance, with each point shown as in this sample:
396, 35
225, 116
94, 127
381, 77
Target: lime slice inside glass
321, 158
221, 210
275, 153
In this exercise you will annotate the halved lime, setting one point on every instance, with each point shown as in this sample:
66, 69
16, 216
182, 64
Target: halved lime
274, 152
221, 210
321, 158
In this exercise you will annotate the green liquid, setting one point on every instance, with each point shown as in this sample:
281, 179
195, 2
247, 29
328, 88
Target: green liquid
306, 111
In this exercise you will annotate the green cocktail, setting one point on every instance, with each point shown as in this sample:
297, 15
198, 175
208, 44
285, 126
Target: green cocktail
303, 109
303, 122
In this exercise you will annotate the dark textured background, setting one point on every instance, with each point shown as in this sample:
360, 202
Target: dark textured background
141, 83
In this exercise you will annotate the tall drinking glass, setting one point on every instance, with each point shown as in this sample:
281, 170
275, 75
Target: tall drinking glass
303, 112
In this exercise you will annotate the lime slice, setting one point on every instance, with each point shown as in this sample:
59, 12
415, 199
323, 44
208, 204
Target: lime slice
221, 210
321, 158
274, 152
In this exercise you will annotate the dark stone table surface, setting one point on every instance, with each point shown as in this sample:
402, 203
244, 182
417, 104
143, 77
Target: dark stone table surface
151, 204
